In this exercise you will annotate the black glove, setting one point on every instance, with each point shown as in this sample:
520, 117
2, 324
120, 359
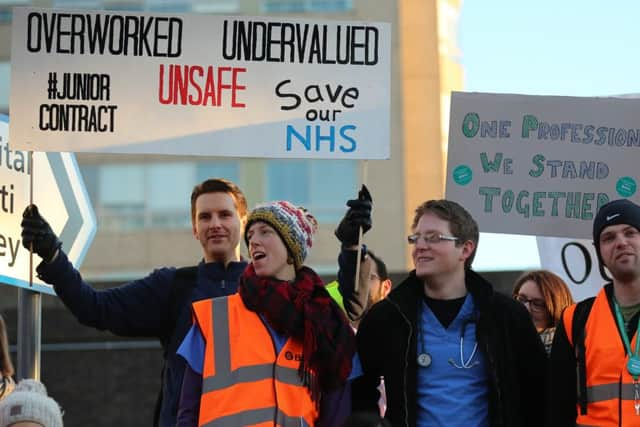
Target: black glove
358, 215
37, 232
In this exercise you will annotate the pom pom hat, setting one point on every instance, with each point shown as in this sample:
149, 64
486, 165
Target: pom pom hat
294, 225
29, 402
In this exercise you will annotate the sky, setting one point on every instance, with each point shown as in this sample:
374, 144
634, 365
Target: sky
561, 47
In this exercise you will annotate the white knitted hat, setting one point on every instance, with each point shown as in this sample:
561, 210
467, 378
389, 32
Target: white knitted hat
29, 402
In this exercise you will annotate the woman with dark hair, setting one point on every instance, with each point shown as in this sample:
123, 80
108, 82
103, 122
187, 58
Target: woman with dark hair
6, 366
544, 295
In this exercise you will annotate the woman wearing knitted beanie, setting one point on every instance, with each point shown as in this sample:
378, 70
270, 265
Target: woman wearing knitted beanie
30, 406
280, 351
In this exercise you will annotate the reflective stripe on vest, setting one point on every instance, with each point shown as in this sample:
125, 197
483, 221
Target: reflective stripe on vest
252, 386
602, 392
257, 416
610, 399
248, 374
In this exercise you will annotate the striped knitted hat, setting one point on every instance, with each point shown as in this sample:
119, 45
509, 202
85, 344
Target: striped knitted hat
294, 225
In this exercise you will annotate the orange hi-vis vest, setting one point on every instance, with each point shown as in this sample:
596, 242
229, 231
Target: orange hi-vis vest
244, 382
610, 389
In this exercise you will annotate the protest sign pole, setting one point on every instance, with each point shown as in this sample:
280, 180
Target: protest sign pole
29, 333
365, 171
29, 314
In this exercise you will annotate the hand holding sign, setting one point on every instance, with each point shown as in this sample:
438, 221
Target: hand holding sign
36, 231
358, 216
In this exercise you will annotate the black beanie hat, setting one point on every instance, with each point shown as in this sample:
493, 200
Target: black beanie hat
621, 211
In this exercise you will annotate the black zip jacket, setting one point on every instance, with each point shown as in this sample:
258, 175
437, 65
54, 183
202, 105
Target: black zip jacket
516, 360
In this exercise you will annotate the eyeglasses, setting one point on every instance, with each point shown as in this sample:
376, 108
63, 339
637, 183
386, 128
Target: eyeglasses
536, 304
432, 238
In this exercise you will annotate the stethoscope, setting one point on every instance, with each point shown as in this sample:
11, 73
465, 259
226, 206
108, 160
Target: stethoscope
424, 358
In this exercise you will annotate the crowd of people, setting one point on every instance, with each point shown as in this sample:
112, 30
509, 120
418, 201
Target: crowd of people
262, 341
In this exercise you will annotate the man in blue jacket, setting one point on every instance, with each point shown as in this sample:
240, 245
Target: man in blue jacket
158, 305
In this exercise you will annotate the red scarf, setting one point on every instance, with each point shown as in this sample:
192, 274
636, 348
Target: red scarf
303, 310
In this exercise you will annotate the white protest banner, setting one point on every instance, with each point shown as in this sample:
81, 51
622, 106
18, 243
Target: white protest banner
541, 165
124, 82
57, 185
575, 261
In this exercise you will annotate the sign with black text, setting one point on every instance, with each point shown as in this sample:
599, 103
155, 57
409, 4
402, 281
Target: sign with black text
576, 262
124, 82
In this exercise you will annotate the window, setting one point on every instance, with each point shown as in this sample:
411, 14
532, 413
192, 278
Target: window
78, 4
215, 6
148, 195
177, 6
121, 196
299, 6
321, 186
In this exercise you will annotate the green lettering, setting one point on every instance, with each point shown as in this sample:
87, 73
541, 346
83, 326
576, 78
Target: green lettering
470, 125
587, 198
529, 123
523, 210
536, 204
537, 160
488, 193
507, 201
488, 165
572, 205
603, 199
555, 195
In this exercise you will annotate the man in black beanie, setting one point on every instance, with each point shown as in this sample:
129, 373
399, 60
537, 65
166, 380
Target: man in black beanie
595, 357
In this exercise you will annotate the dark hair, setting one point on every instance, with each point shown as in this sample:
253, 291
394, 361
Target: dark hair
219, 185
555, 292
461, 223
380, 265
6, 366
365, 419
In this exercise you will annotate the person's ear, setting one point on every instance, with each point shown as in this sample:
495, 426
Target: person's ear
468, 248
386, 286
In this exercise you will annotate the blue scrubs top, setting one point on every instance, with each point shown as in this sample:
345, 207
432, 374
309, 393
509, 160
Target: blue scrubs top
454, 389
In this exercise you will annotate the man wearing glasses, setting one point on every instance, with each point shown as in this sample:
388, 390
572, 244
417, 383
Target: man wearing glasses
451, 350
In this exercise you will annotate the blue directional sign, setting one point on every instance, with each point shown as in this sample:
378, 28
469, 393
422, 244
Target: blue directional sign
59, 192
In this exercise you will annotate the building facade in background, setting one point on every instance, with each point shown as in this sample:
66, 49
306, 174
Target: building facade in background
142, 202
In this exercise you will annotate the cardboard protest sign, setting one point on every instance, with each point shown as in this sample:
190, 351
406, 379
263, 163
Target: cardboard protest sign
105, 81
541, 165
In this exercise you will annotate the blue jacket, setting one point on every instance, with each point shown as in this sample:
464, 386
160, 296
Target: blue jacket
141, 308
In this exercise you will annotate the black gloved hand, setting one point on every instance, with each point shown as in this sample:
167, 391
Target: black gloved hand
36, 231
358, 215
